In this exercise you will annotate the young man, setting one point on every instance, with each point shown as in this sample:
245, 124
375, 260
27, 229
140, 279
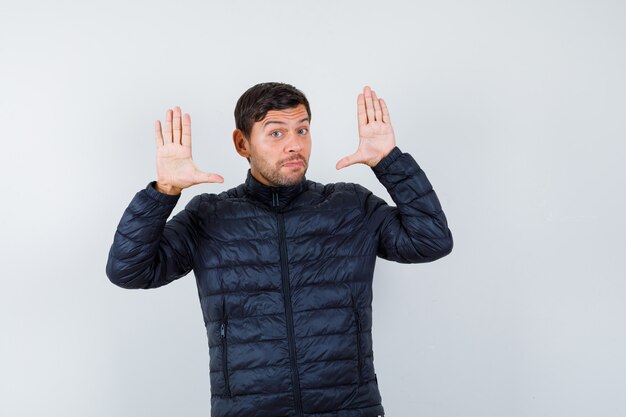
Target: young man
283, 264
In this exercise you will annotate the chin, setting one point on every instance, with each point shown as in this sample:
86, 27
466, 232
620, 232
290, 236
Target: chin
292, 180
288, 180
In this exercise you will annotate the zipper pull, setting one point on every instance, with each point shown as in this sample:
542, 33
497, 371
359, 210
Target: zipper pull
223, 330
275, 201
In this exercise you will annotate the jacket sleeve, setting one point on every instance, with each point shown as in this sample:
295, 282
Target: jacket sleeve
147, 250
415, 231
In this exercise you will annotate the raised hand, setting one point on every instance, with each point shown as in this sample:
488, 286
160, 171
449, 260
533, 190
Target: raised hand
376, 138
175, 168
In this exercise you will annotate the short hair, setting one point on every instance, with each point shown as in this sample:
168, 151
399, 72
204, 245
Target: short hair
254, 104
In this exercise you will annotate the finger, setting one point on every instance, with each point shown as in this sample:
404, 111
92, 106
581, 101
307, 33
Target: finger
377, 111
158, 134
360, 110
168, 126
187, 130
386, 117
201, 177
347, 160
177, 125
369, 106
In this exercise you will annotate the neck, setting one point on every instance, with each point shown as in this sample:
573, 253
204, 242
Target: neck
276, 196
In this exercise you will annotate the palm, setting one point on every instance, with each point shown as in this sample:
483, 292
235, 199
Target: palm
175, 167
376, 137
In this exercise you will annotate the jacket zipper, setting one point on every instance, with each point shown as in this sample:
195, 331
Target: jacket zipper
225, 351
295, 380
357, 319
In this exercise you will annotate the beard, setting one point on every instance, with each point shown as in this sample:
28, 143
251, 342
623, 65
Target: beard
281, 176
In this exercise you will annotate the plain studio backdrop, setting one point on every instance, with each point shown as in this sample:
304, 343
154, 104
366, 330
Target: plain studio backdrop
514, 109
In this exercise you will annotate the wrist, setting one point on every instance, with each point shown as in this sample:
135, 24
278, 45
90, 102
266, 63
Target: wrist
387, 159
385, 154
167, 189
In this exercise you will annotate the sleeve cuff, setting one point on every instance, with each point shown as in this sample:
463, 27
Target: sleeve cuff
161, 197
387, 160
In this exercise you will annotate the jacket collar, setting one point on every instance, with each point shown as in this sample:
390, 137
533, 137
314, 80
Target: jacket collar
275, 197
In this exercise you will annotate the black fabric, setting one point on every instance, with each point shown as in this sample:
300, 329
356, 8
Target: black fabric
284, 278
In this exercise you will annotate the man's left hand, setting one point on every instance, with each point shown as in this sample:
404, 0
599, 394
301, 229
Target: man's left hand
376, 138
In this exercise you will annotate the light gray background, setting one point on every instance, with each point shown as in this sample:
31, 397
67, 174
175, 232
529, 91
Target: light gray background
514, 109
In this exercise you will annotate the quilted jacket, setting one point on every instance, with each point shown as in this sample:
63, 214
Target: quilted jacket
284, 278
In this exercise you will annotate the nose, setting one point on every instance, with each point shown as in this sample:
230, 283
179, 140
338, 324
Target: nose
293, 143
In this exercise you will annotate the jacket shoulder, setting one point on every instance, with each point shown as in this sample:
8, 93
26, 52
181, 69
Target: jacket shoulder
201, 202
333, 187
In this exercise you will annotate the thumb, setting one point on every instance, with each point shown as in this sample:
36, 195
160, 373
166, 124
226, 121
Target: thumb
347, 161
201, 177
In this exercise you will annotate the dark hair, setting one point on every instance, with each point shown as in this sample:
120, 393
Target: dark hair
254, 104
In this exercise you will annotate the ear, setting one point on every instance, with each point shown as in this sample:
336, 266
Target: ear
242, 145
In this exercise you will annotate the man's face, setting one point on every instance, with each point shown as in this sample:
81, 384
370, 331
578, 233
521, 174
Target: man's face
279, 147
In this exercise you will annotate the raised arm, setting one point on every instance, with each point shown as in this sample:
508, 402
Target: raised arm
416, 230
148, 251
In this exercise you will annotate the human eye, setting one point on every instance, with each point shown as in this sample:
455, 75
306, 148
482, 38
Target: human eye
273, 135
305, 130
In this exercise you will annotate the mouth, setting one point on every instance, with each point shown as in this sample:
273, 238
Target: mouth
296, 163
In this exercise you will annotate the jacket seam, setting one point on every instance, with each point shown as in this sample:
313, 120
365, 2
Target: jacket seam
286, 365
335, 386
330, 334
289, 391
263, 393
204, 268
248, 342
322, 308
132, 240
259, 291
217, 371
338, 282
230, 318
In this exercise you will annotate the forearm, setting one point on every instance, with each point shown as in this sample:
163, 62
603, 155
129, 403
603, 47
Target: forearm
416, 230
141, 255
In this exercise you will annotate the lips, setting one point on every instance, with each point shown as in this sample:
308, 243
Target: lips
294, 163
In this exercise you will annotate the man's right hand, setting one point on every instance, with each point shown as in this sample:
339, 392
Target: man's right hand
175, 168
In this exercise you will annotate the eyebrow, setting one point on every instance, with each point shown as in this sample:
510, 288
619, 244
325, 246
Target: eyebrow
282, 123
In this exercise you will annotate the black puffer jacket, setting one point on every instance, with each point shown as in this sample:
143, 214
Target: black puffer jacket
284, 278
